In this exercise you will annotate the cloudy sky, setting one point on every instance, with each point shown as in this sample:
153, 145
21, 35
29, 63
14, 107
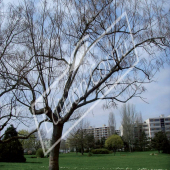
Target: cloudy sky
157, 97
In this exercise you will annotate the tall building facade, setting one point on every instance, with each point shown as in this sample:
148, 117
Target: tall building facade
100, 132
153, 125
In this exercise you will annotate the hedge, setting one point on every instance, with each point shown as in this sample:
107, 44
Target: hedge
100, 151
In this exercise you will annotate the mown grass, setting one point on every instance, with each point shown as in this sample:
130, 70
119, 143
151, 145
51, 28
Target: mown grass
135, 160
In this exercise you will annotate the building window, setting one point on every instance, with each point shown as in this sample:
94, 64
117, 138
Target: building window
167, 119
157, 124
145, 125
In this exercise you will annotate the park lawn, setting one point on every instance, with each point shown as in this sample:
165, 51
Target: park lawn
135, 160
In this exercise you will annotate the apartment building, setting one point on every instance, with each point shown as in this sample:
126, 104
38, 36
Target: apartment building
100, 132
153, 125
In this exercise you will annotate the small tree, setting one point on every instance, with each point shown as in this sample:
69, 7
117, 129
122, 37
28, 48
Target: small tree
12, 151
114, 142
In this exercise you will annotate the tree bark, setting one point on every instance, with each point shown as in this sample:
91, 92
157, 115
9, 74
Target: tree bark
54, 155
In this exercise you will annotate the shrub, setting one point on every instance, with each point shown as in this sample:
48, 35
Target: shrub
89, 154
33, 152
100, 151
86, 150
40, 153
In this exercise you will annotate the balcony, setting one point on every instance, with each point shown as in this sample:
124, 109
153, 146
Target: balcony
167, 119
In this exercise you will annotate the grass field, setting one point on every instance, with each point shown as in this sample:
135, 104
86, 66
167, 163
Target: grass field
136, 160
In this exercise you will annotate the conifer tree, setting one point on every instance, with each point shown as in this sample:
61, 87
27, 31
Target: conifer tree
11, 151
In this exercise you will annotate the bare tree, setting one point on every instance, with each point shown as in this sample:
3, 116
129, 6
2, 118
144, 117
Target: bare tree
139, 126
85, 47
64, 146
111, 124
36, 140
78, 137
129, 116
139, 118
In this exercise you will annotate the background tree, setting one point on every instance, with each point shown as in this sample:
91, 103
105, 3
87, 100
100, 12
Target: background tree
27, 144
129, 115
98, 144
102, 142
44, 43
33, 142
12, 151
142, 143
160, 142
90, 144
36, 144
79, 136
64, 146
114, 142
111, 124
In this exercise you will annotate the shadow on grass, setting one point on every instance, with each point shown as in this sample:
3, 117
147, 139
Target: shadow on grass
34, 162
22, 162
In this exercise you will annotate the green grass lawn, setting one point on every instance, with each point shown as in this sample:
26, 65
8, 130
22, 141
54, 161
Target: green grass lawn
135, 160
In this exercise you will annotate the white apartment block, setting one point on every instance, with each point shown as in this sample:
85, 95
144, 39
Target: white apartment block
100, 132
153, 125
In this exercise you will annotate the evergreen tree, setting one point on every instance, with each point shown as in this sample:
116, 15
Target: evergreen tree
90, 141
142, 143
11, 151
161, 142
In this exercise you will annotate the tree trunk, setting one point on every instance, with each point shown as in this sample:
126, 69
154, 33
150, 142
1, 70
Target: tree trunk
82, 149
54, 154
130, 146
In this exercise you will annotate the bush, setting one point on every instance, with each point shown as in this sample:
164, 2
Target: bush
100, 151
40, 153
33, 152
86, 151
89, 154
